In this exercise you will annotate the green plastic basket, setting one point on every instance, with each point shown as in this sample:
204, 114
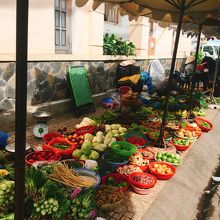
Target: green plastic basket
123, 148
80, 85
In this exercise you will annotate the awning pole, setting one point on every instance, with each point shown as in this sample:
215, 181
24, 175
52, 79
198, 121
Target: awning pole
215, 77
162, 128
194, 68
21, 105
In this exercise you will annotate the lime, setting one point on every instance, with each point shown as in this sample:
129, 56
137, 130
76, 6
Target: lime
170, 160
177, 156
159, 155
172, 155
159, 160
175, 161
164, 157
167, 154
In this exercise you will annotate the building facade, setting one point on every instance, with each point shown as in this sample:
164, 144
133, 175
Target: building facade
58, 27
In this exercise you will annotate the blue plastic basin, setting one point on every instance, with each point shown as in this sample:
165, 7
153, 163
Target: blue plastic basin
3, 139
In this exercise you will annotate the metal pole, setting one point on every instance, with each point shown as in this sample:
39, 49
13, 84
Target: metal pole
215, 76
20, 114
194, 68
162, 128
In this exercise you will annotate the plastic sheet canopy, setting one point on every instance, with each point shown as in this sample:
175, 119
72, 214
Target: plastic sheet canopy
195, 11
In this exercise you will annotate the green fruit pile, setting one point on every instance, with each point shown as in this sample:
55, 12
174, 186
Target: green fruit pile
113, 182
47, 207
6, 195
169, 157
182, 142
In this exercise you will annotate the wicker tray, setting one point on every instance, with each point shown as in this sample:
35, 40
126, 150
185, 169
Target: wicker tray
110, 189
130, 102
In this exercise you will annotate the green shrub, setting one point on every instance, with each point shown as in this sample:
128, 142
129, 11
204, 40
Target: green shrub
116, 46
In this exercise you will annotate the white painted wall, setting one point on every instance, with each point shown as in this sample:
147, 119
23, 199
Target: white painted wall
87, 31
165, 42
185, 46
8, 26
120, 29
41, 27
139, 35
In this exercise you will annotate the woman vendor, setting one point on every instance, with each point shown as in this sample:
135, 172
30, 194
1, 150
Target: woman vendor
129, 74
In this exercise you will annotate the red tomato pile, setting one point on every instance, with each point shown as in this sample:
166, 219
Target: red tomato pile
41, 156
137, 141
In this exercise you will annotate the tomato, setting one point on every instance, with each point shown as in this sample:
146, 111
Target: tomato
30, 160
43, 154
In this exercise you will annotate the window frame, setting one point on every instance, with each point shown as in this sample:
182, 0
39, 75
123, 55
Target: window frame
66, 48
109, 11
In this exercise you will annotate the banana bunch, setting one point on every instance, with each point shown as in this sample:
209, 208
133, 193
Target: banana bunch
182, 113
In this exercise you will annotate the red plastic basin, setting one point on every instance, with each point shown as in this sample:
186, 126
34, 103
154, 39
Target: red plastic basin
179, 147
151, 180
198, 121
160, 176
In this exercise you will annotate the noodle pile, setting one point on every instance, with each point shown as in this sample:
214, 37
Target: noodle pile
70, 178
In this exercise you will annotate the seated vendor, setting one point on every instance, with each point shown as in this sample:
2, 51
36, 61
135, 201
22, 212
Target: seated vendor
128, 74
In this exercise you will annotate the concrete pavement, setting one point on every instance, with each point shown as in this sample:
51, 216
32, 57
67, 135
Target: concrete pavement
180, 197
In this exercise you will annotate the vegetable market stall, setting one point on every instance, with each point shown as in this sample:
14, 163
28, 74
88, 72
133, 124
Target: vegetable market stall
131, 164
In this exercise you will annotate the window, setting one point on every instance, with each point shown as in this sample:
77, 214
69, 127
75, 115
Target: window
62, 20
111, 14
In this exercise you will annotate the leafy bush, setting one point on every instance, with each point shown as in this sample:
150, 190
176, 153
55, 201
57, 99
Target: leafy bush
117, 46
200, 56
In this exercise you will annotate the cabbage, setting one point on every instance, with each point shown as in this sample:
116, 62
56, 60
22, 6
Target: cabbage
94, 155
77, 153
84, 157
86, 148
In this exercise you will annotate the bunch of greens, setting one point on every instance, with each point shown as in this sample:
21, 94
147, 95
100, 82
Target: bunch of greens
200, 99
83, 206
137, 127
108, 117
116, 46
44, 197
7, 216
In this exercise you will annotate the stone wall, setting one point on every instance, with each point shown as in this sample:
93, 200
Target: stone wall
47, 80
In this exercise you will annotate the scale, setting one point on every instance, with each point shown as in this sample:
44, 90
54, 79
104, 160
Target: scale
41, 128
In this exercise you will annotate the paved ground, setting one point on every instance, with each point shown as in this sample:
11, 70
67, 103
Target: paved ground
181, 198
184, 197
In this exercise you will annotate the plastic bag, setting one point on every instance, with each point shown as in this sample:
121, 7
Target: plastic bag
147, 80
116, 98
157, 73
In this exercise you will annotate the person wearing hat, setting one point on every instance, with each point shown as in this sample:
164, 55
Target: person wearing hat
128, 74
189, 65
201, 73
